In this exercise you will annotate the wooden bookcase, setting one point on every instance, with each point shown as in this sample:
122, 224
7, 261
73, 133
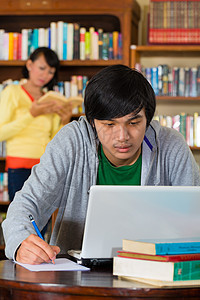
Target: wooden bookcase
185, 56
109, 15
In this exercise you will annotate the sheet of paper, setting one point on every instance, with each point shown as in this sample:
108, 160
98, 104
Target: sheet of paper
61, 264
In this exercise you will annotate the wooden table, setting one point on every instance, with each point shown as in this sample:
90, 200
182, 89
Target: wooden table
19, 283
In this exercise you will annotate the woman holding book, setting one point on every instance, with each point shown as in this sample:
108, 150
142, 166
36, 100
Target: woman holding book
26, 124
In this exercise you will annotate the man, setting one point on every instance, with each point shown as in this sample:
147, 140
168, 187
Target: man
117, 143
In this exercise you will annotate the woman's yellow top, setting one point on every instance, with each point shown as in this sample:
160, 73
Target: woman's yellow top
26, 137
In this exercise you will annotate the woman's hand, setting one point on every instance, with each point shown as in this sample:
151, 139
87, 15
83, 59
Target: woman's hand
34, 251
43, 108
65, 112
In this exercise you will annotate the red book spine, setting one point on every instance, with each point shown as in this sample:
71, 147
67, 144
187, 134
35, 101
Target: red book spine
19, 48
172, 258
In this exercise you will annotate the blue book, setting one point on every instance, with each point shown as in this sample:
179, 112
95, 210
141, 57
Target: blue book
65, 41
34, 39
49, 37
163, 247
154, 80
110, 48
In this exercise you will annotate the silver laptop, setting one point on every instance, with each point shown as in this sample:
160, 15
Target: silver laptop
136, 212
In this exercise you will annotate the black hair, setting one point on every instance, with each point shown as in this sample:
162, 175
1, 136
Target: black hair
117, 91
51, 59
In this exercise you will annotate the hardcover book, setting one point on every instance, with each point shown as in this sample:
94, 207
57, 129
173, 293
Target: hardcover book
173, 258
157, 270
162, 283
160, 247
55, 96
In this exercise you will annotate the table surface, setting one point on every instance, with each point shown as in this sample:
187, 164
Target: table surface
16, 282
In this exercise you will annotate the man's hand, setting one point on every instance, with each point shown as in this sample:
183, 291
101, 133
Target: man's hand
34, 251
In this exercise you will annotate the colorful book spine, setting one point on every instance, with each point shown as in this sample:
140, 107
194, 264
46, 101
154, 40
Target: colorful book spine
100, 43
60, 39
115, 44
154, 80
91, 31
177, 248
70, 44
15, 45
120, 46
87, 45
105, 51
24, 44
95, 46
170, 271
10, 45
110, 47
173, 258
65, 41
2, 32
82, 43
53, 27
76, 46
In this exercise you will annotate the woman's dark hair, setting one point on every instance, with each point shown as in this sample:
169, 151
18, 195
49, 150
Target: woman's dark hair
117, 91
51, 59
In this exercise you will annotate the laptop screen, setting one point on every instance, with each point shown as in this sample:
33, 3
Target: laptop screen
138, 212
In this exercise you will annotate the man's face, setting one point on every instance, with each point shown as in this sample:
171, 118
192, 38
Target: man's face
121, 138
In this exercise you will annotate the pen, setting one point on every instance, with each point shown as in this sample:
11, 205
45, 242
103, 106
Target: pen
37, 230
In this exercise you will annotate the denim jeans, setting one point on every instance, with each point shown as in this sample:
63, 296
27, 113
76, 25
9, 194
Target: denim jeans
16, 179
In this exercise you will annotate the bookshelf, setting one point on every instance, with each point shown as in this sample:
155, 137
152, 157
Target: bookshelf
173, 55
110, 15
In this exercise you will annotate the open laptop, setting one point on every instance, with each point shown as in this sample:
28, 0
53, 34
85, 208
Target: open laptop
136, 212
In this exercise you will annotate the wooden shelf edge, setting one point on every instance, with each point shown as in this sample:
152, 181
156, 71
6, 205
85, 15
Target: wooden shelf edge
90, 63
4, 203
195, 148
165, 48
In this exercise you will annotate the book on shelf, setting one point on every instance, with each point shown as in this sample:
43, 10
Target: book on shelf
157, 270
163, 247
55, 96
172, 258
162, 283
4, 187
76, 41
173, 81
67, 39
82, 43
188, 125
174, 22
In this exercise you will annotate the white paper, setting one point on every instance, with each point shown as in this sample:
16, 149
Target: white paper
61, 264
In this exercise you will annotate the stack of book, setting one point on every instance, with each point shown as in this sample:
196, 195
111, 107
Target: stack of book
174, 22
161, 263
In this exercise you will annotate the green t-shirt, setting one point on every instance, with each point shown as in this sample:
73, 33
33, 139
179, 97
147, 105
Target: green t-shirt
125, 175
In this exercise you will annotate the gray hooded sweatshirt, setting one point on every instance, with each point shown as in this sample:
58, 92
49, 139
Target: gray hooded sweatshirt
68, 169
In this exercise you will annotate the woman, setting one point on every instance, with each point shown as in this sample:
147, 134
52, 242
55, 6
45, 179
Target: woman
26, 125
